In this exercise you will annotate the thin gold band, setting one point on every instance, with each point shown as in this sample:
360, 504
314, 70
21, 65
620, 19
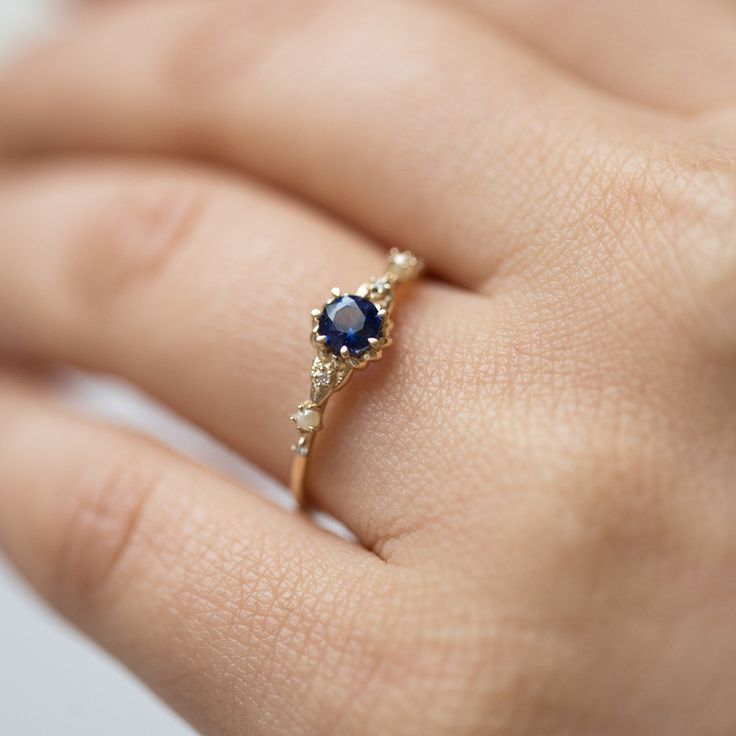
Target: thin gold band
350, 331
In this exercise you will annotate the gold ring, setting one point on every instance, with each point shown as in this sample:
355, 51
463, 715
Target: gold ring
350, 331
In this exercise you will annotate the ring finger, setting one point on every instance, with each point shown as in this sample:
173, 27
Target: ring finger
414, 122
198, 287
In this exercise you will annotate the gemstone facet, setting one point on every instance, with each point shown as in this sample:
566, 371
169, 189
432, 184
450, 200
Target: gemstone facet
350, 321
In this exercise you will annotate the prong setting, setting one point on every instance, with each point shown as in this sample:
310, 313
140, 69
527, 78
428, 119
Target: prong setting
308, 417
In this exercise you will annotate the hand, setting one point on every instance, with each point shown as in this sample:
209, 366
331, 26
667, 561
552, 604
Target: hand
541, 471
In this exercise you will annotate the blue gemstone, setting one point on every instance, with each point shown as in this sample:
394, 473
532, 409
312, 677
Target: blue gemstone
350, 320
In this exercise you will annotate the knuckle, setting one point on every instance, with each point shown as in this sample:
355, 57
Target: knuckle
99, 530
131, 241
607, 484
710, 253
688, 209
658, 229
219, 48
699, 253
626, 507
447, 664
659, 204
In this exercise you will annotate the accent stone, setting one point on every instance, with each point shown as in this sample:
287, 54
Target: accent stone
308, 419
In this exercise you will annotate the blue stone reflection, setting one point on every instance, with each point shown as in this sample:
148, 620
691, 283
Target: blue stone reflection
350, 321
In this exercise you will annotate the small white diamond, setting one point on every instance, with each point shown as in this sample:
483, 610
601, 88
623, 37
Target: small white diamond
323, 372
403, 259
323, 376
404, 265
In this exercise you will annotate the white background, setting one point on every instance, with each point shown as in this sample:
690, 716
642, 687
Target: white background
52, 681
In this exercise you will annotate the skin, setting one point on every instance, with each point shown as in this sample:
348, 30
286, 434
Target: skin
539, 473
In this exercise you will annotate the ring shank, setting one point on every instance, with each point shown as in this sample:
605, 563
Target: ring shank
298, 477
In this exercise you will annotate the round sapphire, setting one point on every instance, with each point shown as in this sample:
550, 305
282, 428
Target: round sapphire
351, 321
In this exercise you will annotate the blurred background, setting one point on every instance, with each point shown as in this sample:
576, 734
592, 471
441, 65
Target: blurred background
53, 682
22, 19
